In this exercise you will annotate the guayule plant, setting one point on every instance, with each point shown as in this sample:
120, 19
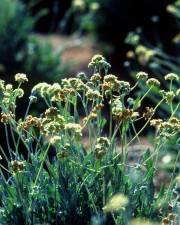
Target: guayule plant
70, 165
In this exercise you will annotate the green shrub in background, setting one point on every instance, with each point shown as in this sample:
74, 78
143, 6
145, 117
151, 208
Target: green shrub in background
154, 58
19, 50
71, 170
86, 16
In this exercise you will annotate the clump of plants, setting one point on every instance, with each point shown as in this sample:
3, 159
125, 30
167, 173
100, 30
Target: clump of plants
70, 164
155, 57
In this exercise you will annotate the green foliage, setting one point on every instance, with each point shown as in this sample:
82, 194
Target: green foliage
19, 50
154, 57
63, 167
86, 15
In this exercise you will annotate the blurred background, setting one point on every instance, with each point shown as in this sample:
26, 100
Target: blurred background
50, 39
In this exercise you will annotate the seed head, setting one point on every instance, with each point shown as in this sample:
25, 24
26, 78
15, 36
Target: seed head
6, 117
153, 82
93, 94
51, 112
156, 122
142, 76
21, 78
17, 166
110, 78
74, 128
169, 96
148, 113
95, 77
171, 76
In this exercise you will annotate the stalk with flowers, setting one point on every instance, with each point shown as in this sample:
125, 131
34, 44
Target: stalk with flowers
70, 164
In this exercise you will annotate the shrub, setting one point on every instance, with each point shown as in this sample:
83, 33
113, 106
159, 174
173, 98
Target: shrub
55, 179
19, 50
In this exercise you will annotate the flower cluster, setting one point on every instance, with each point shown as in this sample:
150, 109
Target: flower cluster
142, 76
74, 129
148, 113
17, 166
120, 113
6, 117
152, 82
21, 78
101, 147
171, 76
167, 129
99, 62
29, 122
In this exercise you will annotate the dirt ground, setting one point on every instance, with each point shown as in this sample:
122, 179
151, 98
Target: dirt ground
78, 50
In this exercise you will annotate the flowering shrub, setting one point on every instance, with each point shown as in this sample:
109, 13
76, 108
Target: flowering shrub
59, 178
155, 57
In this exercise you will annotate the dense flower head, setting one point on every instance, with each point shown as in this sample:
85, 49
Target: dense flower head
17, 166
142, 76
110, 84
97, 58
125, 114
101, 147
156, 122
9, 88
99, 62
95, 77
29, 122
41, 89
21, 78
104, 141
74, 128
153, 82
110, 78
51, 112
124, 87
169, 96
53, 125
171, 76
148, 113
166, 129
54, 88
117, 106
93, 94
6, 117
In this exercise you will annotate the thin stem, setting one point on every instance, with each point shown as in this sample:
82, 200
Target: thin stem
172, 175
139, 132
110, 123
7, 142
41, 166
